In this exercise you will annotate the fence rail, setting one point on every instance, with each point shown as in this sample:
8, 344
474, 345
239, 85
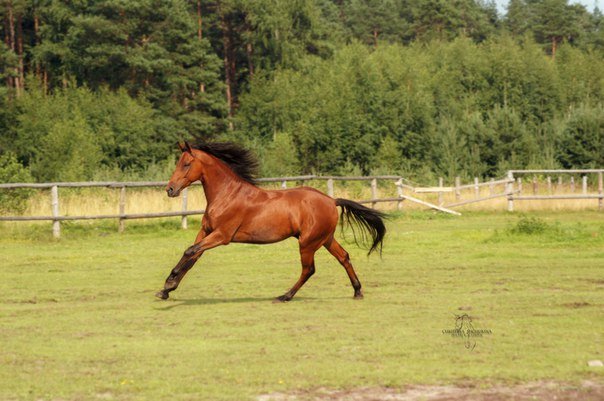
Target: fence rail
512, 183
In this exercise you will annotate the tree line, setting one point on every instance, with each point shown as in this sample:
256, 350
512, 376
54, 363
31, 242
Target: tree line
99, 89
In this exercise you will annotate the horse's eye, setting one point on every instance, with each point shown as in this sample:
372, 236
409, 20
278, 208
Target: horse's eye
187, 164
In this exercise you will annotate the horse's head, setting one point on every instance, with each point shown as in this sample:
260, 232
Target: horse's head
188, 170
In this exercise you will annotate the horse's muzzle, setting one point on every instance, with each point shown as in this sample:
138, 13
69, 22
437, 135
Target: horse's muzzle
172, 193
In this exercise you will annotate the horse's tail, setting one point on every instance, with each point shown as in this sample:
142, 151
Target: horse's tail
365, 219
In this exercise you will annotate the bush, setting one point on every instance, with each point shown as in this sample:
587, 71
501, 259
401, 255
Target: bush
529, 226
13, 200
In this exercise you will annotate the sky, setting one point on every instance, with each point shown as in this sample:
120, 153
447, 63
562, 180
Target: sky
590, 4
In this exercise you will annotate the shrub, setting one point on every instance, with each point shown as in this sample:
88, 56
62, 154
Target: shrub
13, 200
529, 226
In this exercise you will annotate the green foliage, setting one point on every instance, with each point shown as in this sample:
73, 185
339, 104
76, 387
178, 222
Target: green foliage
420, 88
583, 137
541, 230
71, 133
279, 159
68, 152
456, 108
529, 225
13, 200
373, 21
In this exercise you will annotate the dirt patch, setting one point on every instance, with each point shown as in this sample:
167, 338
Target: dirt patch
585, 391
576, 305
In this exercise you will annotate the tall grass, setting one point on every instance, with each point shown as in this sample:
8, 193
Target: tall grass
97, 201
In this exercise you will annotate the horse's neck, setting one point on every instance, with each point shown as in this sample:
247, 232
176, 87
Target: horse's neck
220, 183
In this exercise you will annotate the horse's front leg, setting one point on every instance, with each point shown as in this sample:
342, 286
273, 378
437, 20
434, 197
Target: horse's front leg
191, 255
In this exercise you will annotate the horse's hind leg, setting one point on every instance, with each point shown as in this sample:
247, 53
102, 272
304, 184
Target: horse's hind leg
307, 257
340, 253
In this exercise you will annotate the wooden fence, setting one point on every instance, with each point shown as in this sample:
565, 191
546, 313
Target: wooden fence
512, 190
122, 215
516, 186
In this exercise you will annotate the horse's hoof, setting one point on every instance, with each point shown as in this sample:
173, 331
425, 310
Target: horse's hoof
282, 298
358, 295
162, 295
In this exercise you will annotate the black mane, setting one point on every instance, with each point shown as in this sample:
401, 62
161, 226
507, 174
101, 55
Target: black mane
242, 161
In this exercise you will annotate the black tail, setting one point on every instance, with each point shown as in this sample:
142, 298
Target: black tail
365, 218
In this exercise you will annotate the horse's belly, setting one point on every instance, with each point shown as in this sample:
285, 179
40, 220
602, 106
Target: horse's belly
265, 234
266, 228
259, 236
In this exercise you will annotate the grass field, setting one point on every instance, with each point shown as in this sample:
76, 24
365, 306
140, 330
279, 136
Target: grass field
78, 319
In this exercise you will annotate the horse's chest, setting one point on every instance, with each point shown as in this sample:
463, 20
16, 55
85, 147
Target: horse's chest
216, 217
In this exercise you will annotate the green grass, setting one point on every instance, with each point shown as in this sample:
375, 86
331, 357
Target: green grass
78, 319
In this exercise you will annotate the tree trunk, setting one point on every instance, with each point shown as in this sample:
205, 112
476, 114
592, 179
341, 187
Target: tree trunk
6, 30
375, 38
11, 29
20, 51
41, 73
37, 40
9, 79
229, 63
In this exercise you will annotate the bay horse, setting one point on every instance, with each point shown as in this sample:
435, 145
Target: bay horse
239, 211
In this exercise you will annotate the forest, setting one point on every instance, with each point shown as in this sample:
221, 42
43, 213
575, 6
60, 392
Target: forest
103, 89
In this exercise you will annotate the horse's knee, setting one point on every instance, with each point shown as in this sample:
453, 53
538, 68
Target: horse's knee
192, 250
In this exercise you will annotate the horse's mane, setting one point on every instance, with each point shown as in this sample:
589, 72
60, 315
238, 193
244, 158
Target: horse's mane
242, 161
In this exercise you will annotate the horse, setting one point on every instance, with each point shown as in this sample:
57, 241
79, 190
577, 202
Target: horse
239, 211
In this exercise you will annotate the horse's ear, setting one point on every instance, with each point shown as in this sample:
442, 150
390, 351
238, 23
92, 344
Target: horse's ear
184, 147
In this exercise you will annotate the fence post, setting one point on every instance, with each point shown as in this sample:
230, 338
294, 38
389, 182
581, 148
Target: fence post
535, 190
559, 187
510, 191
600, 191
584, 184
330, 187
440, 193
476, 188
54, 201
284, 184
572, 184
549, 185
122, 209
183, 220
519, 182
457, 190
399, 192
373, 191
